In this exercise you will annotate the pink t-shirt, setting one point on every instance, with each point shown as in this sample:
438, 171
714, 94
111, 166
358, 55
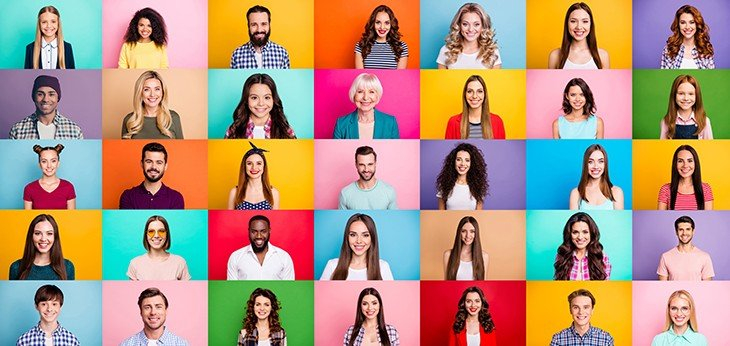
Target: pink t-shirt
688, 266
144, 268
42, 199
684, 202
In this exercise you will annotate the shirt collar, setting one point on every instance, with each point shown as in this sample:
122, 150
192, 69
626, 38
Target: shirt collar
575, 332
272, 249
37, 329
35, 117
263, 48
53, 44
691, 117
687, 333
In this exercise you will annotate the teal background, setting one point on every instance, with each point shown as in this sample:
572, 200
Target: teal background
545, 234
227, 309
80, 21
122, 239
295, 87
651, 98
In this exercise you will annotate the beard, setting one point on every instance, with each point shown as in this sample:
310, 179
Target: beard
259, 42
259, 249
363, 178
154, 180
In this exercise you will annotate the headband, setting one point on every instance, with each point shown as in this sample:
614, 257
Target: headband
256, 150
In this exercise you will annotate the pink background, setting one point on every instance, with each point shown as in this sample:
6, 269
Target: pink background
611, 94
334, 168
187, 29
400, 99
336, 301
650, 301
187, 314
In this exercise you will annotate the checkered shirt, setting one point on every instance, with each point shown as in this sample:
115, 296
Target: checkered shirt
167, 339
673, 62
578, 263
392, 335
267, 130
274, 56
28, 128
594, 337
37, 337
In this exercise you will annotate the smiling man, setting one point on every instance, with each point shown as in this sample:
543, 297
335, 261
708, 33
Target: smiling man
685, 261
259, 52
367, 192
153, 309
152, 193
581, 332
48, 302
46, 122
260, 260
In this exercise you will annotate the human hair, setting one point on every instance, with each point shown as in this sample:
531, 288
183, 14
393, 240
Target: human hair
58, 264
486, 120
594, 251
487, 43
581, 292
164, 119
258, 9
39, 37
244, 180
568, 40
484, 317
701, 37
360, 318
159, 29
241, 115
259, 218
372, 255
476, 177
366, 81
168, 238
369, 36
48, 292
149, 293
365, 150
589, 107
477, 259
604, 183
670, 119
154, 147
250, 319
696, 179
683, 219
682, 294
39, 149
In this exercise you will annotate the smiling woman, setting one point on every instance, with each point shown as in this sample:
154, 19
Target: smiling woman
145, 41
370, 327
49, 50
595, 190
366, 122
157, 263
681, 322
380, 46
473, 324
50, 191
579, 49
578, 120
42, 256
580, 256
151, 118
689, 46
260, 113
253, 192
359, 254
475, 120
685, 191
686, 117
261, 325
470, 43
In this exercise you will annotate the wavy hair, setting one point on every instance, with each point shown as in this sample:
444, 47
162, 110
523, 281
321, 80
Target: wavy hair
484, 317
159, 29
692, 314
589, 107
568, 40
360, 318
369, 36
696, 179
594, 251
168, 238
605, 184
487, 42
243, 179
476, 177
486, 120
39, 37
702, 33
279, 124
58, 264
164, 119
372, 255
477, 259
670, 119
249, 321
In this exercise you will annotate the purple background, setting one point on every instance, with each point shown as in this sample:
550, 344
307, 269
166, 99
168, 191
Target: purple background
654, 234
505, 171
652, 19
80, 98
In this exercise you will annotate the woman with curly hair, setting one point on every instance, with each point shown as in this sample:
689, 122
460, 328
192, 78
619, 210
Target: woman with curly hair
689, 45
473, 324
380, 46
686, 117
49, 50
685, 191
42, 257
580, 256
50, 191
260, 113
466, 260
470, 43
579, 120
370, 327
475, 120
151, 117
254, 191
579, 49
145, 42
595, 190
462, 183
261, 326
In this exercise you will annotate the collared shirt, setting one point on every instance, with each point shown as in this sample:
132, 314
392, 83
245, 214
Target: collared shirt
37, 337
244, 265
139, 198
392, 335
49, 54
28, 128
705, 134
593, 337
167, 339
674, 62
580, 268
273, 56
267, 130
690, 337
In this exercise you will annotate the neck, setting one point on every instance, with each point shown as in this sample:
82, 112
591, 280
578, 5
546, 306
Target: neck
152, 186
49, 39
49, 179
689, 42
577, 113
154, 334
381, 39
685, 247
466, 250
475, 114
46, 119
367, 184
679, 330
145, 40
593, 182
580, 253
151, 111
686, 181
467, 45
262, 324
461, 179
260, 121
370, 323
581, 330
684, 112
48, 327
157, 253
42, 258
358, 260
579, 45
472, 318
366, 116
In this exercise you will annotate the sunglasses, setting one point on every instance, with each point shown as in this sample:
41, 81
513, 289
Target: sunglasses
161, 232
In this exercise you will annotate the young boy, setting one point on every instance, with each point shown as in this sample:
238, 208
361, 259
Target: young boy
48, 302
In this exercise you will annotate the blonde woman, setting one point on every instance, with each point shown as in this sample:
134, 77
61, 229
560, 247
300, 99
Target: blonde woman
470, 43
49, 50
151, 118
680, 327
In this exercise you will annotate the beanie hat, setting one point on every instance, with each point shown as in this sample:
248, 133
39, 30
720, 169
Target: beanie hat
47, 81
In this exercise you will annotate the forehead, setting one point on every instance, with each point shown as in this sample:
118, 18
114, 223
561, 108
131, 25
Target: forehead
581, 301
365, 158
382, 16
48, 16
471, 17
474, 85
48, 154
358, 226
154, 155
156, 300
45, 89
152, 82
262, 300
463, 154
575, 89
369, 298
472, 295
468, 226
684, 225
686, 16
579, 14
258, 225
686, 86
43, 226
254, 158
679, 301
579, 226
144, 21
684, 154
259, 89
596, 154
157, 224
258, 17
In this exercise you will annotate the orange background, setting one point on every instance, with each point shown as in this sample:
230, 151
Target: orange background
187, 170
338, 25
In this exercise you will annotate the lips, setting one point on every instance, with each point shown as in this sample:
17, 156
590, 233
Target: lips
253, 172
382, 32
579, 33
359, 248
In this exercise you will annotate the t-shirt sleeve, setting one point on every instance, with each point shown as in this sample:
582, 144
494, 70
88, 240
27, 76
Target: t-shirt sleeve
405, 49
329, 268
177, 125
70, 270
357, 48
662, 269
71, 192
385, 271
184, 273
498, 60
132, 270
664, 194
441, 59
28, 193
707, 270
707, 190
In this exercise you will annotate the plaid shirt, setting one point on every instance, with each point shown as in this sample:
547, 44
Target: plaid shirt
594, 337
673, 62
583, 263
392, 335
28, 128
274, 56
267, 130
167, 339
37, 337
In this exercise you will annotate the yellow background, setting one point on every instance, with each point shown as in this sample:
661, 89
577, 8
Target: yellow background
545, 21
548, 311
292, 26
652, 167
291, 170
441, 98
80, 239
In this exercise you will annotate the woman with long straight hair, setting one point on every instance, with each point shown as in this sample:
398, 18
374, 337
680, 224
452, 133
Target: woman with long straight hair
254, 191
370, 327
359, 254
685, 191
466, 260
595, 190
42, 257
686, 117
49, 50
475, 120
579, 49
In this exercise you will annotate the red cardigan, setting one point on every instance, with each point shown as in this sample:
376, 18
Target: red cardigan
453, 127
484, 338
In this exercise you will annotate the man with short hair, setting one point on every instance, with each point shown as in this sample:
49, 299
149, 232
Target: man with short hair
580, 332
46, 122
48, 302
367, 192
152, 193
259, 52
685, 261
260, 260
153, 309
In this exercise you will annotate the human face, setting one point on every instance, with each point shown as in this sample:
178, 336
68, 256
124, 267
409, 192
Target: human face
258, 235
43, 237
473, 303
144, 28
49, 25
48, 162
260, 100
382, 26
575, 97
262, 307
471, 26
366, 166
580, 234
468, 232
686, 96
152, 93
258, 28
474, 94
156, 235
154, 166
685, 164
581, 309
370, 306
153, 312
46, 100
579, 24
685, 232
359, 238
463, 162
366, 98
687, 25
596, 164
49, 310
679, 311
255, 166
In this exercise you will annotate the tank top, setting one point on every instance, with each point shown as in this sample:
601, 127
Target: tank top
465, 271
607, 205
585, 129
590, 65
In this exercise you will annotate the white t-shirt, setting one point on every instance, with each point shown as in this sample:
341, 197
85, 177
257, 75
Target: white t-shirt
355, 274
460, 198
259, 132
466, 61
46, 131
472, 339
688, 64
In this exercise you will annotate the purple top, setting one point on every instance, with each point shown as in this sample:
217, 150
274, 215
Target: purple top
139, 198
42, 199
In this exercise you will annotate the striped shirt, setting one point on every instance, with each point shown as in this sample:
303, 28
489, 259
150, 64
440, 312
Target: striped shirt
392, 335
475, 130
381, 55
684, 201
594, 337
37, 337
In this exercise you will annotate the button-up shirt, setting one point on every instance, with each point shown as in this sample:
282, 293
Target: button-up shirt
167, 339
49, 54
139, 198
593, 337
580, 268
37, 337
28, 128
392, 335
674, 62
690, 337
244, 265
273, 56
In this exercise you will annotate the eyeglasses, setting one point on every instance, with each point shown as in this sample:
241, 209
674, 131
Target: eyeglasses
161, 232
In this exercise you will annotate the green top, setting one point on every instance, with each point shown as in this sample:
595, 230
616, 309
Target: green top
42, 272
690, 337
150, 131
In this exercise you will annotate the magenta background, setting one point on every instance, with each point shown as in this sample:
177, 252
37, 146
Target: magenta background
334, 168
401, 99
611, 93
187, 30
187, 313
336, 301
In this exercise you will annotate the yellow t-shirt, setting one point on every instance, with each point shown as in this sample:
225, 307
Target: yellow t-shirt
143, 55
